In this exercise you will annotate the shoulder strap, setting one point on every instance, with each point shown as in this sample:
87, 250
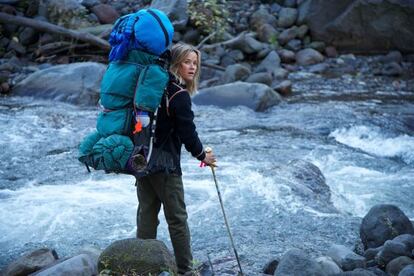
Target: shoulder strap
169, 99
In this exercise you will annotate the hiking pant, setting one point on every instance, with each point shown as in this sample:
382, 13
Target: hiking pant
167, 189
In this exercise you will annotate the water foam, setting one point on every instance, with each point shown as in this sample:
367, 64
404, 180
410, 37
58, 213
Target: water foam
373, 141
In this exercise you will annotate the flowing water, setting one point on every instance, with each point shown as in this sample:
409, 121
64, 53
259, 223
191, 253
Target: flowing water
359, 133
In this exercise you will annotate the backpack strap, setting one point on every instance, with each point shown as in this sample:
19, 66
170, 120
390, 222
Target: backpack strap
169, 99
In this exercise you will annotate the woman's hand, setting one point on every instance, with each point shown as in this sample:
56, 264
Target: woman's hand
210, 159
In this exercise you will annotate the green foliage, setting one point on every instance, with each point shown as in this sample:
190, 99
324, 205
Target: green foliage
273, 41
209, 16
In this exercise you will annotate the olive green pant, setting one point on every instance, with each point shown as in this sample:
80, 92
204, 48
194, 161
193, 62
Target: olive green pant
167, 190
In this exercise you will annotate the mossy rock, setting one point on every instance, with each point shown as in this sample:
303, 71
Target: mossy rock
136, 257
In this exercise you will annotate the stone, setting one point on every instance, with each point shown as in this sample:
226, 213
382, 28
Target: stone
267, 33
234, 73
361, 26
370, 253
393, 56
260, 18
191, 36
295, 262
287, 35
331, 52
302, 31
264, 77
395, 266
391, 250
90, 3
176, 10
28, 36
269, 64
287, 17
17, 47
138, 256
320, 68
294, 45
407, 270
4, 88
76, 83
290, 3
31, 262
280, 73
78, 265
392, 69
383, 222
317, 45
346, 258
287, 56
308, 56
236, 55
270, 267
256, 96
328, 265
247, 45
106, 13
69, 13
357, 272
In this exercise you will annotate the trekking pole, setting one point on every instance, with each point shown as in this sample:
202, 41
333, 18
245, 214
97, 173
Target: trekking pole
224, 215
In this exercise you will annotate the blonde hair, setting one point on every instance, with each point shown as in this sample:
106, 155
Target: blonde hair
179, 53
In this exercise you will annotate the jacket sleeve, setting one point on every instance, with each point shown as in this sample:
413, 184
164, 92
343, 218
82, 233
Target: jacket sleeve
180, 110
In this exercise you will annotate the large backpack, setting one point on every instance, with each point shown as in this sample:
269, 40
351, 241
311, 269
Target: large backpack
131, 89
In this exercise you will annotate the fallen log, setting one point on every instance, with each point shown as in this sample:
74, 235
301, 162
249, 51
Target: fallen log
51, 28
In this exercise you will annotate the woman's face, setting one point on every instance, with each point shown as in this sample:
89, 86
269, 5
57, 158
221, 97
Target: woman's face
188, 67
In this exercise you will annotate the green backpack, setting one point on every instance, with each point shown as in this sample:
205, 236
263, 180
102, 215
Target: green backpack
130, 88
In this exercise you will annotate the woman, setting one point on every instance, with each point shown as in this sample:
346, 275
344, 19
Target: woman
164, 185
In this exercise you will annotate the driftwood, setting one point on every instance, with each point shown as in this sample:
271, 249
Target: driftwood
51, 28
232, 41
59, 47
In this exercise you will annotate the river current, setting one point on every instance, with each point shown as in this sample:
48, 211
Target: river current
358, 132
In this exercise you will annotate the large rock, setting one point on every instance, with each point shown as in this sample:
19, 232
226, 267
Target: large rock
31, 262
176, 10
364, 26
407, 271
256, 96
328, 265
308, 56
68, 13
76, 83
346, 258
260, 18
138, 256
391, 250
234, 73
106, 13
297, 263
80, 265
287, 17
395, 266
383, 222
269, 64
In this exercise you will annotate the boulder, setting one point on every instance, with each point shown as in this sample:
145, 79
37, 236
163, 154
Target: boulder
256, 96
383, 222
346, 258
287, 17
288, 34
76, 83
407, 270
269, 64
106, 13
247, 44
260, 18
137, 256
393, 56
31, 262
392, 69
362, 26
265, 78
328, 265
370, 253
295, 262
287, 56
284, 87
294, 45
395, 266
69, 13
317, 45
234, 73
28, 36
357, 272
270, 267
391, 250
308, 56
302, 31
267, 33
176, 10
331, 52
80, 265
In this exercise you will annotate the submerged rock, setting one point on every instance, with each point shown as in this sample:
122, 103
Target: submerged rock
32, 262
78, 265
346, 258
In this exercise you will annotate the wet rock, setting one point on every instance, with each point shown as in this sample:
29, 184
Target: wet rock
331, 52
392, 69
393, 56
308, 56
265, 78
395, 266
294, 45
346, 258
284, 88
106, 13
256, 96
288, 34
287, 56
234, 73
140, 256
287, 17
77, 265
370, 253
260, 18
328, 265
269, 64
31, 262
383, 222
267, 33
295, 262
76, 83
406, 239
353, 25
270, 267
391, 250
407, 271
174, 9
